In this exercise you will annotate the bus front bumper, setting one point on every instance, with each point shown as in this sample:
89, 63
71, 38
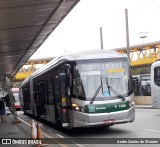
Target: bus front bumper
80, 119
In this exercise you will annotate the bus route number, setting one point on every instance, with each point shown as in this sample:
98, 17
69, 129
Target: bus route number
120, 106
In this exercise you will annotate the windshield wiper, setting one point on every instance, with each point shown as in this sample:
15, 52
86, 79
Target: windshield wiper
96, 93
109, 88
115, 91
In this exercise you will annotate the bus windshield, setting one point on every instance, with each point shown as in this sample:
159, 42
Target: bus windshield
16, 96
90, 74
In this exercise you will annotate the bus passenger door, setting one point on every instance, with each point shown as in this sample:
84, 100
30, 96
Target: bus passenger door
57, 95
60, 101
42, 98
26, 100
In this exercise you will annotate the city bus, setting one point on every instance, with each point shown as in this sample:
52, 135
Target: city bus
145, 84
16, 99
85, 89
15, 93
141, 85
155, 84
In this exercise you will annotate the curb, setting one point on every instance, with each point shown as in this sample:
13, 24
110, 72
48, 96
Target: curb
144, 107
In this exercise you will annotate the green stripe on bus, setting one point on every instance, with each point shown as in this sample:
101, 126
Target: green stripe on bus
104, 108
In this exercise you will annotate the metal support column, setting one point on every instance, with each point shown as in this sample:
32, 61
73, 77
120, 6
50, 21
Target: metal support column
127, 34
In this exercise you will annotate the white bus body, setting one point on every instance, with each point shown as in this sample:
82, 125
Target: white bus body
155, 84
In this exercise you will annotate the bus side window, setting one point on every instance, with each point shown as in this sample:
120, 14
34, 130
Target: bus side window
50, 90
78, 89
157, 76
56, 87
26, 97
35, 93
43, 90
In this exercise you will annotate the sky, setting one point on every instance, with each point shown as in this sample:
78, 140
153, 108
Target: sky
80, 30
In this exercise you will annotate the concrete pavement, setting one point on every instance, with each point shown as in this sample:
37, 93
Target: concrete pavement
18, 131
9, 131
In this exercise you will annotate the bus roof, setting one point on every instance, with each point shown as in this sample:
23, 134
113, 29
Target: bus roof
89, 54
96, 53
155, 64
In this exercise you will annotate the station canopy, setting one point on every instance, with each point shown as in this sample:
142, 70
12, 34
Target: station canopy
24, 26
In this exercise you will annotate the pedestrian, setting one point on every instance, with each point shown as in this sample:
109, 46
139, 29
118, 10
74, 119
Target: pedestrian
2, 111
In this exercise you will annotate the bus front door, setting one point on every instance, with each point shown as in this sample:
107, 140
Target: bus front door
64, 99
57, 103
60, 100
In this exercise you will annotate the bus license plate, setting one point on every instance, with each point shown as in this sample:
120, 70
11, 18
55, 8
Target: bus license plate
110, 121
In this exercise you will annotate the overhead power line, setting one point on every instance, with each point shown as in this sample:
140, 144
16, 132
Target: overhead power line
142, 8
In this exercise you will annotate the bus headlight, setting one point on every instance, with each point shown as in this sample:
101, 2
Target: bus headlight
78, 107
131, 103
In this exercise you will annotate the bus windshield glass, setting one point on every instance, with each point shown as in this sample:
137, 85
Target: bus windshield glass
157, 75
90, 74
16, 96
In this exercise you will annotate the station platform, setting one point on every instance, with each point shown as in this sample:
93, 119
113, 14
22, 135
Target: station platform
9, 131
19, 130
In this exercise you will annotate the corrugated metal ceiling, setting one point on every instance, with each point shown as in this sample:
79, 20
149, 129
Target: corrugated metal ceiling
24, 26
